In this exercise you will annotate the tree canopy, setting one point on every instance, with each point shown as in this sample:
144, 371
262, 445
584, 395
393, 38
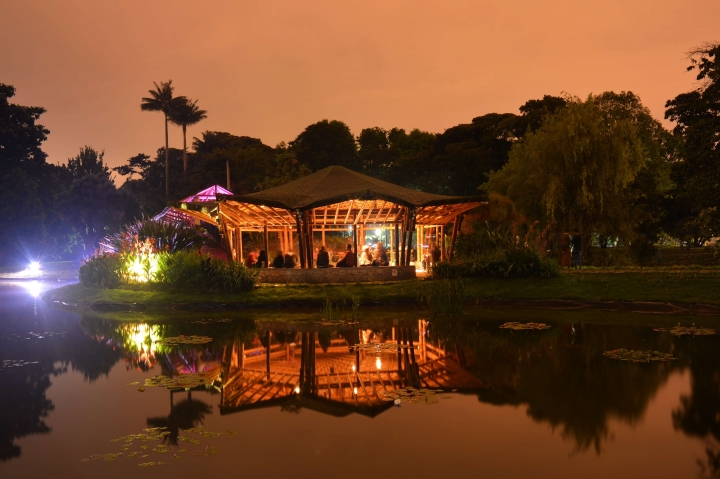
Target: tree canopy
581, 166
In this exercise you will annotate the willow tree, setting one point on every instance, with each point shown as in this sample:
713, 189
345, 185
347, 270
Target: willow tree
161, 99
577, 169
186, 113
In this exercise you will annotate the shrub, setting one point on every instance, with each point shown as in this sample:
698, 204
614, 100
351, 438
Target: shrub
102, 270
446, 270
193, 271
512, 264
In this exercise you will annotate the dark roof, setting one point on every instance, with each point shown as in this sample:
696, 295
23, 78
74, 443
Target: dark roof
335, 184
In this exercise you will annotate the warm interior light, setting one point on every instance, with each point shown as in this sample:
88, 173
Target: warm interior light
378, 232
297, 389
378, 363
353, 368
355, 391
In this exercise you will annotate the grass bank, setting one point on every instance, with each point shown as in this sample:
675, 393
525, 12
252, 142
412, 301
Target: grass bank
596, 287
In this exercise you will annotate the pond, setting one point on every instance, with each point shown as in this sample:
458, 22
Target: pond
378, 394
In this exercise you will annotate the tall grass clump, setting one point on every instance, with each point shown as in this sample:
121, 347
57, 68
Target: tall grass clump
446, 297
167, 236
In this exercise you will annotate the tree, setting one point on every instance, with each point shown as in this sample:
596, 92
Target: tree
161, 99
694, 201
20, 136
324, 144
576, 169
374, 153
92, 203
186, 113
88, 162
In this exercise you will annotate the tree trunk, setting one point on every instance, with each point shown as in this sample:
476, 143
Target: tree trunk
167, 162
184, 150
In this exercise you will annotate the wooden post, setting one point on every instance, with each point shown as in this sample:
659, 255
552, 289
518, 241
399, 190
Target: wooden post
240, 245
228, 243
267, 245
442, 243
456, 231
309, 219
396, 243
355, 243
298, 222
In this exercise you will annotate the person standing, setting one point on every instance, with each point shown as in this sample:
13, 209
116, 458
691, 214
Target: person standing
564, 244
577, 246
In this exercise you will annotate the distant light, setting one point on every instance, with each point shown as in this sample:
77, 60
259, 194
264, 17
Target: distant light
297, 389
33, 267
378, 363
355, 391
378, 232
353, 368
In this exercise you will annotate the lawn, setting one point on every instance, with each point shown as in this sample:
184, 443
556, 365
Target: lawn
595, 287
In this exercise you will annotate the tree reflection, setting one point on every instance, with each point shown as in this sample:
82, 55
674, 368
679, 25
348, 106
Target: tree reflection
186, 414
699, 413
561, 374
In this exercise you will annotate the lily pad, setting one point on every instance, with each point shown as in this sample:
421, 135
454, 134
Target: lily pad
638, 356
413, 396
380, 347
181, 381
522, 326
175, 340
692, 331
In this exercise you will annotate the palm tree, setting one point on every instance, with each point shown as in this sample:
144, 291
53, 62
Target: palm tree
161, 99
185, 114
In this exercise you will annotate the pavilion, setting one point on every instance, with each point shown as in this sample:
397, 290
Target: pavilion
301, 212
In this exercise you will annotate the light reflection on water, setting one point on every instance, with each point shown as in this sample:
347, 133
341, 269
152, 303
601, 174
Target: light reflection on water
546, 404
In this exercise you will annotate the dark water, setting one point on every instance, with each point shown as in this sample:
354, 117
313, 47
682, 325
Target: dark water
527, 404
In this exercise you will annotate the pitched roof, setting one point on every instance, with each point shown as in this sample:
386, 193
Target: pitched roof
335, 184
208, 194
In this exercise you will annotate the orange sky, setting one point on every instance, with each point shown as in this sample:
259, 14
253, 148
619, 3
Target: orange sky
267, 69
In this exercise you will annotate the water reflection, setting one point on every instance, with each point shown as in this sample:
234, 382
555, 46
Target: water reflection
561, 375
558, 376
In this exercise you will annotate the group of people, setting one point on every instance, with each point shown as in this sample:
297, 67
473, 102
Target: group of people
375, 255
571, 243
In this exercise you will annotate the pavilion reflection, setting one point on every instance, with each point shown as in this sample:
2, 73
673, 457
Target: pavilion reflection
316, 367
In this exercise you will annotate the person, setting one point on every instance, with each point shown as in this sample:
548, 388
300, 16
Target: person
381, 256
289, 261
365, 257
435, 254
262, 259
250, 260
279, 261
349, 260
323, 258
564, 244
577, 245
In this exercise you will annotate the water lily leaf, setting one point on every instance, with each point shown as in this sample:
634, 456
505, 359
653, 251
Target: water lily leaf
523, 326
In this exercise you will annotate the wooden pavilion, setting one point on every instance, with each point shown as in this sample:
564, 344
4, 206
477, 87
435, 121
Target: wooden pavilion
334, 199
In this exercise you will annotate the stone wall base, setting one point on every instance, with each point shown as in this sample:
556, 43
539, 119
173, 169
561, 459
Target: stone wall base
366, 274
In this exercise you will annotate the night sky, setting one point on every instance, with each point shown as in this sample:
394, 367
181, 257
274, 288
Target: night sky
269, 69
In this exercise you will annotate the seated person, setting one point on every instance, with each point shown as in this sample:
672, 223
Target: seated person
349, 260
289, 261
381, 256
323, 258
250, 261
262, 259
366, 258
279, 261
